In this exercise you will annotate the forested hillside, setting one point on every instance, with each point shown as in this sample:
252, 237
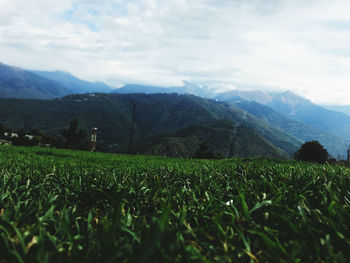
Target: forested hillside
156, 115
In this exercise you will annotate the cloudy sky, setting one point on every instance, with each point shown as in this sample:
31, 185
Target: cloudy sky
297, 45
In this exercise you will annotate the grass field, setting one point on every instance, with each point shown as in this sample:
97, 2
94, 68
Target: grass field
70, 206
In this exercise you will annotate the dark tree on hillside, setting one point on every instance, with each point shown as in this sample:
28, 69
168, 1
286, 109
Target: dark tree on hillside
2, 131
203, 152
312, 151
72, 135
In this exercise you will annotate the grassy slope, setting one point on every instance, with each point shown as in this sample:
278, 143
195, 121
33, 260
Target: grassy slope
68, 206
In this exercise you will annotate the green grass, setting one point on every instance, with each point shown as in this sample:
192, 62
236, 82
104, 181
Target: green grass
70, 206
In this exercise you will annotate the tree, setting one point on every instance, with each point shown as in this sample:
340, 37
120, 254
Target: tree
312, 151
132, 125
72, 135
203, 152
2, 130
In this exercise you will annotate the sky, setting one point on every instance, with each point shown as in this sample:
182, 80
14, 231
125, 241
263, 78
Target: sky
297, 45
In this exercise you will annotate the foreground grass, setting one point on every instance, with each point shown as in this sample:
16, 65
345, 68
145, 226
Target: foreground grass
69, 206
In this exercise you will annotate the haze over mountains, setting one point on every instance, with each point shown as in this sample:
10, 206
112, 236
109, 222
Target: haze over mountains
234, 123
340, 108
73, 84
187, 88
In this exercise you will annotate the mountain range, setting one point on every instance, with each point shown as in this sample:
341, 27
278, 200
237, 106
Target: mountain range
168, 120
18, 83
296, 108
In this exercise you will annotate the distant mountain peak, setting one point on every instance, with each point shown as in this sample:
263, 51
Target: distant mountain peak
63, 72
290, 98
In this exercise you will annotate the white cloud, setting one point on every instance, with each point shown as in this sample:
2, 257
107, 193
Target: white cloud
297, 45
